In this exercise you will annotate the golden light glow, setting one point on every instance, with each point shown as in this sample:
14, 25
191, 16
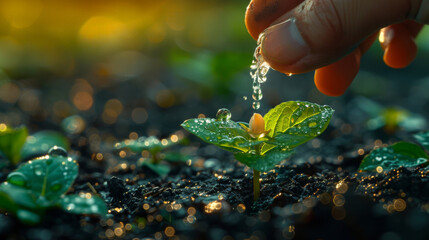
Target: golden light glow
21, 13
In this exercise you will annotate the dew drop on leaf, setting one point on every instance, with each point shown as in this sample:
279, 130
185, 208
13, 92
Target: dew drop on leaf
223, 114
56, 151
38, 170
17, 179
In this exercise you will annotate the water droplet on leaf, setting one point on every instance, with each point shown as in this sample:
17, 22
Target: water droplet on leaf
38, 170
56, 151
17, 179
223, 114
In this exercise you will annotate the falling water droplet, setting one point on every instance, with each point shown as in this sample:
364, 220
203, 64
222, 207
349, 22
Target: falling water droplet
56, 151
256, 105
17, 179
258, 72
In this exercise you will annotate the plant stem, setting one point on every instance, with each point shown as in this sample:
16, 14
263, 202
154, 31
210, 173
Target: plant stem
256, 177
256, 185
155, 157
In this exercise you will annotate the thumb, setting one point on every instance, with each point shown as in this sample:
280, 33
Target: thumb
319, 32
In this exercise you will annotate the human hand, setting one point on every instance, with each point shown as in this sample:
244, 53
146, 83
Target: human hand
331, 35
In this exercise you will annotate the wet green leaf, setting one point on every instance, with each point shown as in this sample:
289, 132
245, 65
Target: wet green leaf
20, 202
11, 142
39, 143
265, 162
47, 177
295, 122
226, 134
151, 144
40, 184
423, 139
80, 204
399, 154
28, 217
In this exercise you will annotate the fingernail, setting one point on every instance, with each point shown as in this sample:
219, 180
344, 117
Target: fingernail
283, 43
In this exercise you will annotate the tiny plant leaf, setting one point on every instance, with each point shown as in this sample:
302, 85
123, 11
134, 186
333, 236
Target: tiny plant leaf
396, 155
265, 162
151, 144
80, 204
423, 139
223, 133
40, 184
11, 142
38, 144
295, 122
49, 176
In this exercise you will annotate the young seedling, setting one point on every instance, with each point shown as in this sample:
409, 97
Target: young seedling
390, 118
265, 141
400, 154
41, 184
155, 147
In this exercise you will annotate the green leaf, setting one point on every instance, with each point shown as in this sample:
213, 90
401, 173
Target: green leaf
79, 204
176, 157
399, 154
47, 177
28, 217
160, 169
226, 134
11, 142
20, 202
423, 139
295, 122
151, 144
265, 162
39, 143
20, 197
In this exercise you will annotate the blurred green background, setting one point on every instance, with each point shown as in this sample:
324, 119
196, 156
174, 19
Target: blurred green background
127, 64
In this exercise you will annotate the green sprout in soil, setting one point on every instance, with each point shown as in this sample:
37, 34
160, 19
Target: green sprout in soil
265, 141
41, 184
155, 149
390, 118
400, 154
16, 144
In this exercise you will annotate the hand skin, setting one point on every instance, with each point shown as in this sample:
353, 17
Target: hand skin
330, 36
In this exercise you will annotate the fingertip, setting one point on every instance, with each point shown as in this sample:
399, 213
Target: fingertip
334, 79
400, 52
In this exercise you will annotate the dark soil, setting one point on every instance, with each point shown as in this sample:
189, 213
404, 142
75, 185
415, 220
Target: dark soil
318, 194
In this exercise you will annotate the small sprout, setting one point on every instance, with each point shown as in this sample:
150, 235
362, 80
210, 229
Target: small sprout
265, 141
41, 184
154, 147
